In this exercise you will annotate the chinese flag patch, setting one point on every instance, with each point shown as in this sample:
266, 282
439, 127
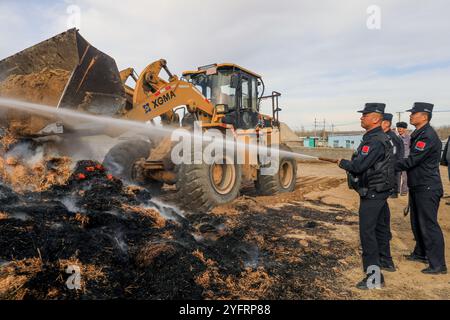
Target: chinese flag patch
365, 150
420, 145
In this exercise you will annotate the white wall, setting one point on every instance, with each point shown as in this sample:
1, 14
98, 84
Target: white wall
354, 141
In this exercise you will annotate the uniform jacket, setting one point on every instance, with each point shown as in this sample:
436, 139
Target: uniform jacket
422, 164
370, 152
446, 154
406, 144
399, 150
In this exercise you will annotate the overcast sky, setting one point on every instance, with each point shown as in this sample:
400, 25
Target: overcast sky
319, 53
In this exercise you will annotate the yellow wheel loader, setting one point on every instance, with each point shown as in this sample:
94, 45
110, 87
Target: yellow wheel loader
67, 72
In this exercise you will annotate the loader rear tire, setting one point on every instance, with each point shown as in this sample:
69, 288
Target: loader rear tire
202, 187
283, 181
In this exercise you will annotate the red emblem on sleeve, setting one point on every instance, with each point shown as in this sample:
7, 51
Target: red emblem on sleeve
420, 145
365, 150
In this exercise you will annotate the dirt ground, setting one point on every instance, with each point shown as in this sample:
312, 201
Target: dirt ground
408, 282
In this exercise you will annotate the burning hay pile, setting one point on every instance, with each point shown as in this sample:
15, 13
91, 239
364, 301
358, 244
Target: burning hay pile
24, 167
97, 225
121, 246
74, 231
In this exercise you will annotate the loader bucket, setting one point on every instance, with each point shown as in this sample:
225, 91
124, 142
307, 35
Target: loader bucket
65, 72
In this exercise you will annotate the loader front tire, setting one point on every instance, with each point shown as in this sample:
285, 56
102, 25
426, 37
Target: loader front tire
202, 187
120, 159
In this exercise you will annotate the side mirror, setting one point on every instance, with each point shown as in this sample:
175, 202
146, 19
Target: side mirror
234, 82
221, 108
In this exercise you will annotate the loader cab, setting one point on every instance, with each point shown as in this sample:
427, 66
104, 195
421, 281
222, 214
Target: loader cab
233, 90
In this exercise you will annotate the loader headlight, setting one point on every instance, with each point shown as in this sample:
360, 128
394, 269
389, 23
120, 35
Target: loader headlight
221, 108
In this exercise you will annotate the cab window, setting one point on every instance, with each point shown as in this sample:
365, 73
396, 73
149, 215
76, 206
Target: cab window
245, 93
254, 95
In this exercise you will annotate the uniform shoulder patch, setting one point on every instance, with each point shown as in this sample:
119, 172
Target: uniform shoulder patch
420, 145
365, 150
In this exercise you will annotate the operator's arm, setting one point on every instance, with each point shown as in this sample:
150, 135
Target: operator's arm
369, 154
419, 152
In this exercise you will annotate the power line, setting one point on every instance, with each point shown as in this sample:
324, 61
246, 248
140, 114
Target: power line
334, 125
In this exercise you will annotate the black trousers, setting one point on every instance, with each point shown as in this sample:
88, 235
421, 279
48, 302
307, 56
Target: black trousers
375, 231
424, 206
398, 180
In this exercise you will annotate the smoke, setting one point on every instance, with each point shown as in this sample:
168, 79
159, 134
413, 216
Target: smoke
251, 251
167, 211
36, 157
27, 153
91, 147
70, 204
19, 216
120, 243
115, 168
198, 237
4, 263
56, 225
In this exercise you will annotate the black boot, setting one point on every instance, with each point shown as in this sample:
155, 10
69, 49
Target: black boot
362, 285
438, 270
415, 257
387, 265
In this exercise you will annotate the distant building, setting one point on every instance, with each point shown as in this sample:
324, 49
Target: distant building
314, 142
309, 142
345, 139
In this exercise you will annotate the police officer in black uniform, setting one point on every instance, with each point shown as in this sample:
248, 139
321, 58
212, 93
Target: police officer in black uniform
425, 185
371, 174
399, 148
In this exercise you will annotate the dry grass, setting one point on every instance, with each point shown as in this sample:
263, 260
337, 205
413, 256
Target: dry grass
249, 285
88, 272
155, 216
149, 255
7, 140
82, 219
14, 277
39, 177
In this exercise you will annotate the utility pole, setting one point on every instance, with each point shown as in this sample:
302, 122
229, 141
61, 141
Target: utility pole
315, 127
399, 116
324, 128
315, 132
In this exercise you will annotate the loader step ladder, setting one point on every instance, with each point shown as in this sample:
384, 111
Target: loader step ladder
275, 107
